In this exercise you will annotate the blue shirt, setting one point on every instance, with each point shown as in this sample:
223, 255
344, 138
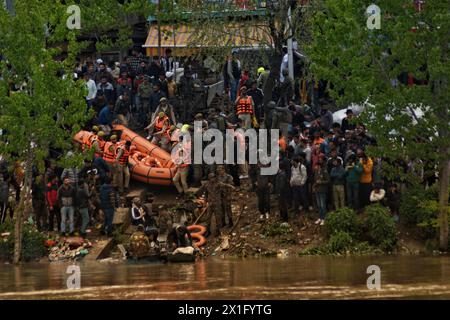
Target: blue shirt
105, 116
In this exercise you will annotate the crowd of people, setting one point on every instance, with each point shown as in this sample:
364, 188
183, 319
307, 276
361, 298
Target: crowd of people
323, 165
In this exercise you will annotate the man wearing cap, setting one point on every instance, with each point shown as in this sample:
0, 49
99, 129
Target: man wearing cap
155, 99
244, 108
98, 143
158, 129
263, 75
165, 107
109, 155
123, 152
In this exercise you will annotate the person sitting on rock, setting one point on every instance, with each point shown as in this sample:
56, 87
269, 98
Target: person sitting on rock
140, 246
137, 213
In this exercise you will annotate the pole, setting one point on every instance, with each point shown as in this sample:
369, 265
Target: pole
174, 48
290, 47
159, 29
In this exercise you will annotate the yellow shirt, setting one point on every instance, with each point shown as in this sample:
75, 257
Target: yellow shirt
366, 175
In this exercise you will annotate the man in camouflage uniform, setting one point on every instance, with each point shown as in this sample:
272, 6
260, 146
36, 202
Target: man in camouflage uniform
212, 191
140, 246
225, 184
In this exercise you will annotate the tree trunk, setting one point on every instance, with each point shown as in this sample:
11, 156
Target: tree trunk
444, 176
22, 211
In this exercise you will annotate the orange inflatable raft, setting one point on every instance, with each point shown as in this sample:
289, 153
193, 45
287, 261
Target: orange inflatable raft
148, 163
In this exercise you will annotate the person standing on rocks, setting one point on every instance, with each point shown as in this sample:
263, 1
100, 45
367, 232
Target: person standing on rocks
225, 183
109, 200
263, 193
212, 189
282, 190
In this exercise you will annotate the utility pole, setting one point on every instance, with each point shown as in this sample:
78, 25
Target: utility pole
159, 28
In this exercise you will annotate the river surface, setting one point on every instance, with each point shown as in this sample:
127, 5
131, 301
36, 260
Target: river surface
266, 278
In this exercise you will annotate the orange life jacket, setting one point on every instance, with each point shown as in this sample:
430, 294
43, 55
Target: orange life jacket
244, 106
126, 153
101, 145
159, 124
109, 152
282, 143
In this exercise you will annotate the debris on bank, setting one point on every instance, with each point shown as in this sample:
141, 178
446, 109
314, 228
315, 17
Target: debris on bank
72, 248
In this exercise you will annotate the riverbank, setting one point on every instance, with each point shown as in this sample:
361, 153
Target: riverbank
250, 236
254, 237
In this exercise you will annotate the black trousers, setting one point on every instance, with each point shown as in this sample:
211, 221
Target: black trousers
55, 213
283, 206
40, 211
263, 200
364, 194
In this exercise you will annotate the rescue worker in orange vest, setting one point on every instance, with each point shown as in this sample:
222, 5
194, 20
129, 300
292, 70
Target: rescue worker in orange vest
109, 155
244, 108
88, 139
122, 172
98, 144
158, 129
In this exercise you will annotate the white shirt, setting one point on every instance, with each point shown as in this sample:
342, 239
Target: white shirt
284, 65
375, 197
92, 89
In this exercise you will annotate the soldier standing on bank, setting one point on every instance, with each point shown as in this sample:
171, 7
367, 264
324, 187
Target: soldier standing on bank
212, 195
225, 183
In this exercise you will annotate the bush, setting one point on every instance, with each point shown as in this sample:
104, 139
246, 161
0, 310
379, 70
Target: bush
419, 207
342, 220
277, 229
340, 242
33, 242
380, 227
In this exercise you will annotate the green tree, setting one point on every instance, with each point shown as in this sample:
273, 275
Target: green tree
409, 122
40, 108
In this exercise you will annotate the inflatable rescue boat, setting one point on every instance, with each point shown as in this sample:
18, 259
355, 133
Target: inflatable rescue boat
148, 163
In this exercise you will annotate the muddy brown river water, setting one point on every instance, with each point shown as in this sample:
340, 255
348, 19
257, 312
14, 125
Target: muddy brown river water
216, 278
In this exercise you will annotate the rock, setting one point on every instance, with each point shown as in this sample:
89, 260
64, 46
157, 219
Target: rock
282, 253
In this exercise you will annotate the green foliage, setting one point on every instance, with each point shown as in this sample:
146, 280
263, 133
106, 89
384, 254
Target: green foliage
276, 229
33, 242
380, 226
48, 108
341, 245
340, 241
342, 220
375, 233
409, 122
119, 236
420, 208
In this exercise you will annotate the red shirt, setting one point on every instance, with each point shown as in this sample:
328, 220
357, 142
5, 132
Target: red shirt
51, 194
